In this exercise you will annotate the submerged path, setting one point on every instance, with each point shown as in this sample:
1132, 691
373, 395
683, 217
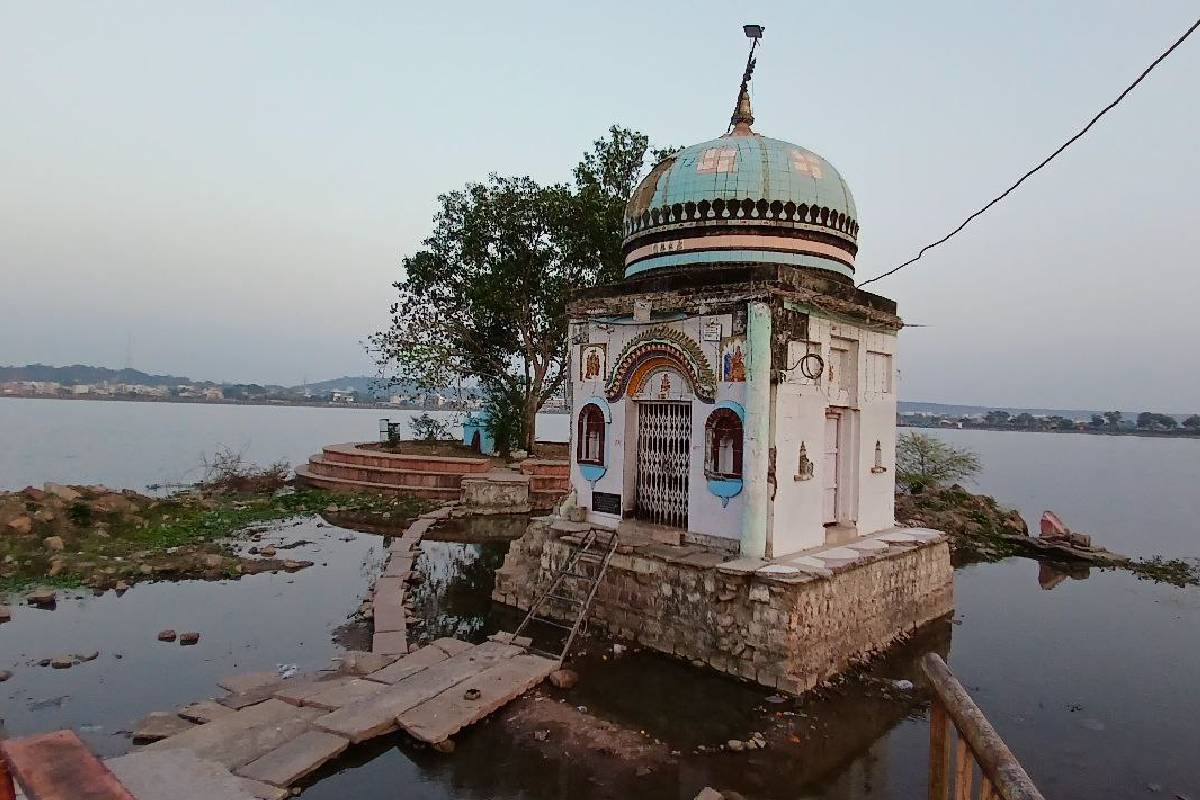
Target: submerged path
268, 733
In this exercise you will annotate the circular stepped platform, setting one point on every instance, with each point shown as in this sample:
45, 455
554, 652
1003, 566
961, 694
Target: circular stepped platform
364, 467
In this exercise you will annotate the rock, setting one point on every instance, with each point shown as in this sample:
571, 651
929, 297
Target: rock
269, 552
5, 674
121, 587
903, 685
189, 638
20, 526
62, 492
564, 678
444, 746
736, 745
145, 569
1052, 526
5, 613
776, 699
43, 515
541, 736
213, 561
113, 503
56, 566
159, 725
40, 597
90, 655
166, 636
709, 793
618, 649
62, 662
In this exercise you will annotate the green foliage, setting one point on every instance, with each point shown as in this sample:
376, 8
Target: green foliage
80, 513
1152, 420
485, 297
506, 421
1113, 418
924, 462
1192, 422
429, 428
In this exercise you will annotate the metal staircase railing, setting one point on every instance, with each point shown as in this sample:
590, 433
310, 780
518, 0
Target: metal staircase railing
596, 548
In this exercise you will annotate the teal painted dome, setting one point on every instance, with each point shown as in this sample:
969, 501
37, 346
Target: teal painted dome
742, 198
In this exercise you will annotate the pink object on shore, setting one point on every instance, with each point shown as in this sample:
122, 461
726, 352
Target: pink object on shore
1053, 527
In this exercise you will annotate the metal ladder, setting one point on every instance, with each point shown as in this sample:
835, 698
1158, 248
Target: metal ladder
596, 548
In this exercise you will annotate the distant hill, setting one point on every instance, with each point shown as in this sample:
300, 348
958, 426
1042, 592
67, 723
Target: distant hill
950, 410
81, 373
363, 385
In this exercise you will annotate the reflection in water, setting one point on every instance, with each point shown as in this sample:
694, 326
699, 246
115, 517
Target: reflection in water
1051, 575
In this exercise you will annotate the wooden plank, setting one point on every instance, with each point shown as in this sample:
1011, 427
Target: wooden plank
446, 714
291, 761
964, 770
939, 753
376, 715
58, 766
995, 760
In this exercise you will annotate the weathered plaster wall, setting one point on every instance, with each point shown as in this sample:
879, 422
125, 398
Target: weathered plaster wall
786, 634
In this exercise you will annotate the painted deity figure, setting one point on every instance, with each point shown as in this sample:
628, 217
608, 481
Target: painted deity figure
735, 365
591, 367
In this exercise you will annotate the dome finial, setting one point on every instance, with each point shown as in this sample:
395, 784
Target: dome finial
743, 118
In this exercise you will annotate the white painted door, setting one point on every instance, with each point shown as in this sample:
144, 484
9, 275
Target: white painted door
833, 430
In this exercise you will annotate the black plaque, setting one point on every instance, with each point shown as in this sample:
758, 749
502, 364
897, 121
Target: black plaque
606, 503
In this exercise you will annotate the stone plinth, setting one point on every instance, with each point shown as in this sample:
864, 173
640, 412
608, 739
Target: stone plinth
789, 625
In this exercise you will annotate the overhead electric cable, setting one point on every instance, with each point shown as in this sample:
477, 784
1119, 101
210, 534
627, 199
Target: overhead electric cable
1048, 158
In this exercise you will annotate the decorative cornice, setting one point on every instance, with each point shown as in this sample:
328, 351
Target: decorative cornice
761, 211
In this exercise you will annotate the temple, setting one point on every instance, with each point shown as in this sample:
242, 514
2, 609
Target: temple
734, 431
737, 386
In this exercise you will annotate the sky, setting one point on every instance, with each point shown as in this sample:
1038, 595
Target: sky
226, 190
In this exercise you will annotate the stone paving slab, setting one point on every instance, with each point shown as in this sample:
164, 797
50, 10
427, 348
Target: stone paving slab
159, 725
252, 697
399, 568
248, 681
898, 538
376, 715
410, 664
343, 692
297, 690
358, 662
390, 643
451, 646
176, 775
205, 711
389, 613
868, 546
290, 762
741, 566
242, 737
449, 712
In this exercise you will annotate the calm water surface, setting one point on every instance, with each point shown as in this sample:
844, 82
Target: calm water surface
1092, 682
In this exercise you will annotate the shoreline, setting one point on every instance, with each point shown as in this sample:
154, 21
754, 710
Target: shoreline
277, 403
1142, 434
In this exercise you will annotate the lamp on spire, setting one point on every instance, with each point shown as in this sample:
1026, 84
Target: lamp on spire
742, 117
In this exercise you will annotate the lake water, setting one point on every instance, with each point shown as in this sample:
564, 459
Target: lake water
1092, 683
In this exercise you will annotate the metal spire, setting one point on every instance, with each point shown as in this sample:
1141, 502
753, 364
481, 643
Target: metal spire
743, 117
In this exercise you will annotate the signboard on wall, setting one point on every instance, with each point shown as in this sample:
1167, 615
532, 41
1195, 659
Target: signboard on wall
606, 503
711, 329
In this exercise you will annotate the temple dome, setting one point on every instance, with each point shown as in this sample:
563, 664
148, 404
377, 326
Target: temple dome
742, 197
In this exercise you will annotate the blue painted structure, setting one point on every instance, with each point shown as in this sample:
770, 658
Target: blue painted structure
475, 425
727, 488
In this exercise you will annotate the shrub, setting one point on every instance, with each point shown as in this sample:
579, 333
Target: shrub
429, 428
923, 462
229, 472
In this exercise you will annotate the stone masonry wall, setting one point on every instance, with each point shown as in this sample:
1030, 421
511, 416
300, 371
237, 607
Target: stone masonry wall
782, 633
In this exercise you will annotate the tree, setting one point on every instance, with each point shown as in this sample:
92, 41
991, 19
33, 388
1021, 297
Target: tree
485, 298
1098, 421
924, 462
1114, 418
1025, 420
1192, 422
997, 418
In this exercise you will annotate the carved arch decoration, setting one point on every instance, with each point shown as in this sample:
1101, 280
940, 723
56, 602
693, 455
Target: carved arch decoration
659, 348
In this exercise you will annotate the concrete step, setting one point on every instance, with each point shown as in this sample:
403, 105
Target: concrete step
391, 475
305, 477
358, 453
543, 466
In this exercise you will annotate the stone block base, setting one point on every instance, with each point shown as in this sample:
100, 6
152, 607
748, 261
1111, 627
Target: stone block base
790, 633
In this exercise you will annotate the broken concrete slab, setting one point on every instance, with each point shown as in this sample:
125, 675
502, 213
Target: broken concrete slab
412, 663
451, 646
473, 699
291, 761
205, 711
390, 642
376, 715
263, 791
359, 662
247, 681
342, 692
175, 775
240, 700
389, 613
242, 737
159, 725
297, 690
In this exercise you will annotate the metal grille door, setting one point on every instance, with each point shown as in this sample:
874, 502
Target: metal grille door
663, 450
